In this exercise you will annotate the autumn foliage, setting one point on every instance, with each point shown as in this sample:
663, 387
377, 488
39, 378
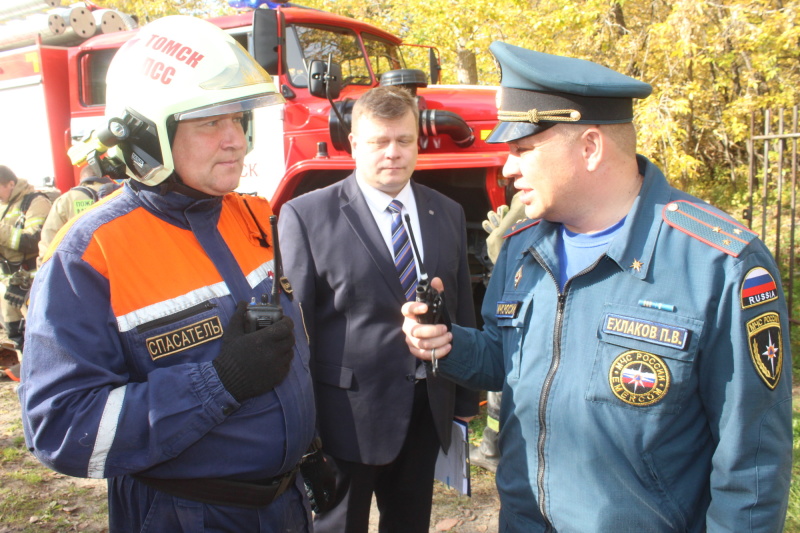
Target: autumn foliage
711, 63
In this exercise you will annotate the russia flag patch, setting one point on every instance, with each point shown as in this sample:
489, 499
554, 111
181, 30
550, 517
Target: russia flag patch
758, 287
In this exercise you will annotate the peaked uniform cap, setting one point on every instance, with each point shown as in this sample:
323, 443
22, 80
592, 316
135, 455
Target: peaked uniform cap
538, 91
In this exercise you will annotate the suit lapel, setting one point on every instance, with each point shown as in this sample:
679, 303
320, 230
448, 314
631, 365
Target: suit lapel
355, 210
430, 228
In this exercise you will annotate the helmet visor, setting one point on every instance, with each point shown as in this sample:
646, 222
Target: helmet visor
234, 106
245, 73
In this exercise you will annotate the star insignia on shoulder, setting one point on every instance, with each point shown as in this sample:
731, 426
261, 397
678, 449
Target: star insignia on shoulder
715, 229
637, 265
726, 242
737, 231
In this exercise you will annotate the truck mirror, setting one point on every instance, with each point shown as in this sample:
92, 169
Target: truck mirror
266, 43
434, 66
340, 121
325, 79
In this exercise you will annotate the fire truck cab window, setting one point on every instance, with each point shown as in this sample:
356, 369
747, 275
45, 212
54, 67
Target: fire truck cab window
93, 69
305, 44
383, 55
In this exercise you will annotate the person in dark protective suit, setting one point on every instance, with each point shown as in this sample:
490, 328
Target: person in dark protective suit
144, 363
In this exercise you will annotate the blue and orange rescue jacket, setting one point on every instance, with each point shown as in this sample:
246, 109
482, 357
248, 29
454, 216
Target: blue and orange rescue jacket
126, 317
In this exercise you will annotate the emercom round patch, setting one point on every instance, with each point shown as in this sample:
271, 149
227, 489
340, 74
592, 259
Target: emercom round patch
639, 378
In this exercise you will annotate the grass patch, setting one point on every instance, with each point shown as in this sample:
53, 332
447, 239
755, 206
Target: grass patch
18, 507
476, 427
11, 454
27, 477
14, 427
795, 328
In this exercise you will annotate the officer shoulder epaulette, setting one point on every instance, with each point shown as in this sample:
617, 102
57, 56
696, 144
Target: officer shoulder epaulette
521, 226
708, 227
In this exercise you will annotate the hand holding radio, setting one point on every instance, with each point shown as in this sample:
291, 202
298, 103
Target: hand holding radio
425, 293
258, 345
251, 364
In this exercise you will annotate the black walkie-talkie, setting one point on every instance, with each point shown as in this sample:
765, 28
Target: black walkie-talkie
269, 310
425, 293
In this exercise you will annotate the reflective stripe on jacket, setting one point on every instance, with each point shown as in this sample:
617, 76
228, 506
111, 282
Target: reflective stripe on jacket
19, 243
126, 317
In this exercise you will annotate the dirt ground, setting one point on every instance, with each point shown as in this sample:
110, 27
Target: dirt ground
35, 499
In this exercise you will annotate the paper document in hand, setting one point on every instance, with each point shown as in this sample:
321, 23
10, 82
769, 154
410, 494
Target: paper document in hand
452, 468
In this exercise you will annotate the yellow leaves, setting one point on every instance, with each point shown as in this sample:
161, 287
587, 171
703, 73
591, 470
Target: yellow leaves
711, 62
149, 10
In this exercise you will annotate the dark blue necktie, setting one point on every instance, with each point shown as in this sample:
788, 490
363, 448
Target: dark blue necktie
403, 256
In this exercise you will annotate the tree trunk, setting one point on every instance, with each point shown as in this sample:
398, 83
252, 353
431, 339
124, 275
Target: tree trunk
466, 67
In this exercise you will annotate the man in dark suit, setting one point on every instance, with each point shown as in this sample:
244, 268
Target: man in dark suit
382, 417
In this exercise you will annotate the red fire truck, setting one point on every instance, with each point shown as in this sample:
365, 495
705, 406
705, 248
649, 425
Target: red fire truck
53, 96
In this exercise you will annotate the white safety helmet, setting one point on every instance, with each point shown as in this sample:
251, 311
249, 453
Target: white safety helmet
178, 68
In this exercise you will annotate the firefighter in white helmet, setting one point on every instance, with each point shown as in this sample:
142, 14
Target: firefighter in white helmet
141, 366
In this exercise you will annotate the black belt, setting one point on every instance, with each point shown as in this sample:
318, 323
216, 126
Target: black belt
217, 491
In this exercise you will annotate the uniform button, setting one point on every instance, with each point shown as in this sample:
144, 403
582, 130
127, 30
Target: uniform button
411, 377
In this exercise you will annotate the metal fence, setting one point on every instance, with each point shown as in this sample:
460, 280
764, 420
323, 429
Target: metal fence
772, 207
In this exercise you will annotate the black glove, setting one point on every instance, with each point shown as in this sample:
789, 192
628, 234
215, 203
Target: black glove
251, 364
319, 477
16, 295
